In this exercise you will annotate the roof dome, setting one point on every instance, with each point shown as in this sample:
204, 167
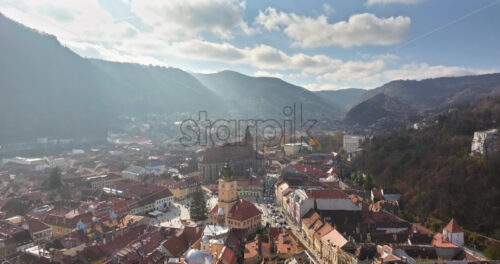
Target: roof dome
194, 256
221, 211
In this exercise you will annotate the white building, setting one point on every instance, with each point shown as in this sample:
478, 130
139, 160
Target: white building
163, 200
352, 144
454, 233
295, 148
485, 142
38, 164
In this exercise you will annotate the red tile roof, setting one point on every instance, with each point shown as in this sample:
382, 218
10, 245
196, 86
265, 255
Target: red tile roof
308, 169
120, 206
243, 210
325, 229
175, 245
440, 241
287, 243
214, 210
310, 218
453, 227
192, 234
178, 243
36, 225
274, 232
56, 220
120, 242
326, 194
227, 256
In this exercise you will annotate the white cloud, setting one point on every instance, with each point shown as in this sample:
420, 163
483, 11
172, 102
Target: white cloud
328, 9
357, 71
188, 18
97, 51
260, 56
205, 50
69, 19
384, 2
383, 56
321, 86
421, 71
358, 30
268, 74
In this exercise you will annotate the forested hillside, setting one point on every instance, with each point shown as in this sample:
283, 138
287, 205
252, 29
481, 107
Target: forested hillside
434, 171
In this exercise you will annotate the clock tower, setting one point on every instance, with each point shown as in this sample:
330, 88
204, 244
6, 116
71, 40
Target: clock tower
228, 194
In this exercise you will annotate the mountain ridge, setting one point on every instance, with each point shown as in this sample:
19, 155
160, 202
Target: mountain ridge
439, 92
50, 91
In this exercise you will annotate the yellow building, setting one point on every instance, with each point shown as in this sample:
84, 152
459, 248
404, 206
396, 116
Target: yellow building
180, 190
61, 225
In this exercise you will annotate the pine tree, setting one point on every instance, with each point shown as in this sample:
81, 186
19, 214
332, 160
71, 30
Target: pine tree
198, 209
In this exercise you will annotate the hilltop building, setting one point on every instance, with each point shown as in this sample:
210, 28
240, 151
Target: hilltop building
454, 233
230, 209
241, 155
354, 144
485, 142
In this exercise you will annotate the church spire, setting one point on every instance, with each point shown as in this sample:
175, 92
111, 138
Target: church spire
248, 140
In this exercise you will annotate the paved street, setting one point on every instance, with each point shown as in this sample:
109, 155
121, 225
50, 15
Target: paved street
178, 211
298, 234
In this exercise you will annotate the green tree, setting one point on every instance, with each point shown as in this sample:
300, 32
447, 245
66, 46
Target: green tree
368, 184
198, 209
492, 250
55, 179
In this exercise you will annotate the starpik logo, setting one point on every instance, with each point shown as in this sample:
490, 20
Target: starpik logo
266, 132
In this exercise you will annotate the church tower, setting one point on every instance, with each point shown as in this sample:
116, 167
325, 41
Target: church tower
228, 194
248, 139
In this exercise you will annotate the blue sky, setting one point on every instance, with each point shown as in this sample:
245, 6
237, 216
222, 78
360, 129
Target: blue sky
316, 44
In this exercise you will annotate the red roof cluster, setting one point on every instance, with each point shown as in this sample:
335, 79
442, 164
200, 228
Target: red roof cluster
178, 243
308, 169
120, 206
57, 220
